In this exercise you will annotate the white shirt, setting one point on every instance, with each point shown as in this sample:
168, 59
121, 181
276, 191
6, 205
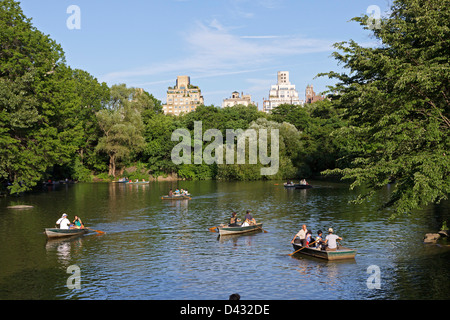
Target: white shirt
331, 238
64, 223
301, 234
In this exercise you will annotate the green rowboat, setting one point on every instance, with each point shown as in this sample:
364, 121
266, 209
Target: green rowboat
61, 233
176, 197
226, 230
340, 254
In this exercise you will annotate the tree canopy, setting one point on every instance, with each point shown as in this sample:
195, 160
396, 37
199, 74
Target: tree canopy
395, 97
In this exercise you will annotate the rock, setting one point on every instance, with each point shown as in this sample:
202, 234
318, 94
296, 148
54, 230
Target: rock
431, 237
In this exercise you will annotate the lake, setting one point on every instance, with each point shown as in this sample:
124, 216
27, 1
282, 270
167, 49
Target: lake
162, 250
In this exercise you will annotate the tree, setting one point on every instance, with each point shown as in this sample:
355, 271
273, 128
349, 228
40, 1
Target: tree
29, 143
122, 127
396, 99
158, 144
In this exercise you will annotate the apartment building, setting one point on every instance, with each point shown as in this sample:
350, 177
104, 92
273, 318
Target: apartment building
243, 99
183, 97
311, 96
281, 93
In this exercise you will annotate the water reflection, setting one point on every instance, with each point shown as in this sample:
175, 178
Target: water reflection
155, 249
64, 248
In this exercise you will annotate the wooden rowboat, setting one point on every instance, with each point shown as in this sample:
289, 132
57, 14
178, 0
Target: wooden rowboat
303, 186
138, 182
289, 185
61, 233
297, 186
178, 197
340, 254
226, 230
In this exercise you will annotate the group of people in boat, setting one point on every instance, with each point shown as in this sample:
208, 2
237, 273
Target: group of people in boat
178, 192
305, 239
248, 220
302, 182
64, 223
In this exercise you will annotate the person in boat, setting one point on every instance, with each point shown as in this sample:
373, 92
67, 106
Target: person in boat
330, 240
77, 223
309, 238
177, 192
303, 182
63, 222
248, 220
170, 193
300, 237
234, 220
319, 239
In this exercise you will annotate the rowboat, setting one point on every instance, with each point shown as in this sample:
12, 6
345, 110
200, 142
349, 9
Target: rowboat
226, 230
60, 233
303, 186
176, 197
340, 254
289, 185
137, 182
297, 186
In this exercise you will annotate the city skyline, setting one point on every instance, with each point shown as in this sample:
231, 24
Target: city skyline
224, 46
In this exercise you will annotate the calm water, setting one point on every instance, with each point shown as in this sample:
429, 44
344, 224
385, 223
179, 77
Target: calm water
156, 249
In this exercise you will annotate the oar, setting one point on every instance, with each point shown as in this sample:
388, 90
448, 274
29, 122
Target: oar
302, 248
98, 231
212, 229
265, 231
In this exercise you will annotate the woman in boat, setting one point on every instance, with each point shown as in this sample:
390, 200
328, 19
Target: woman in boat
248, 219
78, 224
309, 238
170, 193
234, 220
319, 239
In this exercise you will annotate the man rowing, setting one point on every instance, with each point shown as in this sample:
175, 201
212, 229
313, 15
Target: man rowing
301, 235
63, 222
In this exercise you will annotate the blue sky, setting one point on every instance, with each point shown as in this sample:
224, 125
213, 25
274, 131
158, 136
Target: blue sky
223, 45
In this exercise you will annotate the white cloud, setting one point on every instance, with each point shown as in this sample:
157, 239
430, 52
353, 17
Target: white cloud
213, 49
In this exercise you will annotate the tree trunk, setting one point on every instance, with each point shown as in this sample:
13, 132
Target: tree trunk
112, 165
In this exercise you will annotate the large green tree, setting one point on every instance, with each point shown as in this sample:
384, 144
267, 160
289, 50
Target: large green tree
122, 126
47, 109
396, 98
44, 104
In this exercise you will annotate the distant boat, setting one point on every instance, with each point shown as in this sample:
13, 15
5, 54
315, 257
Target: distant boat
177, 197
61, 233
137, 182
340, 254
303, 186
226, 230
289, 185
297, 185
